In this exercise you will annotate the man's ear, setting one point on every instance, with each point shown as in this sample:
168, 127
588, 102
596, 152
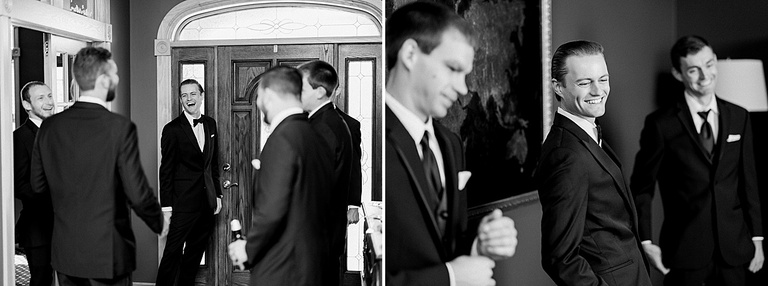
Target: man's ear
103, 81
320, 92
557, 87
409, 53
678, 76
27, 106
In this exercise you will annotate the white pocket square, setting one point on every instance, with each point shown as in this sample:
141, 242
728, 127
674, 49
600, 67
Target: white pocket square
733, 138
256, 164
213, 135
463, 178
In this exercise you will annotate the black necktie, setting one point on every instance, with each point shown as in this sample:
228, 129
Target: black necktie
705, 133
599, 133
430, 166
196, 121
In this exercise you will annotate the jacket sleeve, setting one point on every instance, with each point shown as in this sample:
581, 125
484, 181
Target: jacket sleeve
564, 195
643, 181
215, 159
21, 166
749, 173
135, 185
356, 181
37, 178
433, 275
168, 163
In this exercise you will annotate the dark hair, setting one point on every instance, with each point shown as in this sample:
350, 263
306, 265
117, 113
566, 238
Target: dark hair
425, 23
283, 80
25, 90
685, 46
191, 81
569, 49
320, 73
90, 63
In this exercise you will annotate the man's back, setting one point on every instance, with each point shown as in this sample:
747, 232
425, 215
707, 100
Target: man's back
87, 157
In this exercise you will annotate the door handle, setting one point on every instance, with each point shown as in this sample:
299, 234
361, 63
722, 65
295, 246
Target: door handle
227, 184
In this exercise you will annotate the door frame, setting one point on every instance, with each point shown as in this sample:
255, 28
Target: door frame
172, 23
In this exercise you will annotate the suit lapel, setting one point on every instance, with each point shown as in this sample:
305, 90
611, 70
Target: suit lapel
187, 129
684, 115
601, 156
403, 145
208, 142
451, 183
725, 119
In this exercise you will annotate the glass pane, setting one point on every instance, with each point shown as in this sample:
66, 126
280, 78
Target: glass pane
61, 87
194, 71
81, 7
280, 22
360, 83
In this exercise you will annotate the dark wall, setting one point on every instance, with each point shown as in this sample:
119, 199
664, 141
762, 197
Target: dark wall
120, 19
145, 17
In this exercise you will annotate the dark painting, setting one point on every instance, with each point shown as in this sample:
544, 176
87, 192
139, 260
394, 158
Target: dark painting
500, 119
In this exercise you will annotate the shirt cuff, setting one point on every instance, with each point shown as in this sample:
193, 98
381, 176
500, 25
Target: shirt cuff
352, 207
757, 238
451, 278
167, 209
644, 242
474, 252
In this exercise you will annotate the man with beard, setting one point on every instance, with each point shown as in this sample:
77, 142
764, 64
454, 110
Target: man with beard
33, 230
189, 186
86, 159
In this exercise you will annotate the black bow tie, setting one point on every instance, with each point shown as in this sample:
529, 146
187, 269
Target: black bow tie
196, 121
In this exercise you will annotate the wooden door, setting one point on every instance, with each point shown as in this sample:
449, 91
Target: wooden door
241, 132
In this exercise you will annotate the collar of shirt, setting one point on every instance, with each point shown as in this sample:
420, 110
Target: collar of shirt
91, 99
190, 118
588, 127
36, 121
695, 107
282, 115
318, 107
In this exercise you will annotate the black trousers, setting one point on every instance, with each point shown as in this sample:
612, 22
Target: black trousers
40, 270
716, 273
180, 263
66, 280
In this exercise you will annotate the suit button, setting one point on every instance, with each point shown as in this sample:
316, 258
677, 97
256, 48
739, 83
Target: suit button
444, 214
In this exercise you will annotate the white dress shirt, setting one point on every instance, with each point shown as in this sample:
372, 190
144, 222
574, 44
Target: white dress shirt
589, 127
695, 107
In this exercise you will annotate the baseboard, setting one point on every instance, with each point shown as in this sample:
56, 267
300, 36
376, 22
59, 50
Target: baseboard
143, 284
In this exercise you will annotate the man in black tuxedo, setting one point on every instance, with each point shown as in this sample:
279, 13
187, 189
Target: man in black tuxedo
33, 230
189, 186
287, 243
86, 159
588, 226
429, 52
319, 80
700, 153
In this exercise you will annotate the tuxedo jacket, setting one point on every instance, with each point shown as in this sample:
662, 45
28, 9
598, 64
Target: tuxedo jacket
416, 253
327, 122
87, 159
355, 193
189, 177
588, 225
287, 243
35, 223
706, 199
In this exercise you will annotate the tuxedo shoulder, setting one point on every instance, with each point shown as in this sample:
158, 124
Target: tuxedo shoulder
731, 107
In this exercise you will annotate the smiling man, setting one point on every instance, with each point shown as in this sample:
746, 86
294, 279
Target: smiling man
35, 225
700, 152
588, 229
189, 186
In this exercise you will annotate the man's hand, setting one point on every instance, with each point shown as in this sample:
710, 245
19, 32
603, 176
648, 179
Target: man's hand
757, 262
654, 253
166, 223
218, 206
473, 270
237, 253
497, 236
352, 216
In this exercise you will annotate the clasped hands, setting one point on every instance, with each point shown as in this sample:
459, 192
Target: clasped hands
496, 239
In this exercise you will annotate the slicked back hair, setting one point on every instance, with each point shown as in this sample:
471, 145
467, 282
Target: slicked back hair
320, 73
424, 22
687, 45
90, 63
283, 80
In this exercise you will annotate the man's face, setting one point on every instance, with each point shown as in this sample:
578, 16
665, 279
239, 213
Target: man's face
698, 72
261, 95
308, 94
40, 104
191, 99
585, 87
114, 80
440, 75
